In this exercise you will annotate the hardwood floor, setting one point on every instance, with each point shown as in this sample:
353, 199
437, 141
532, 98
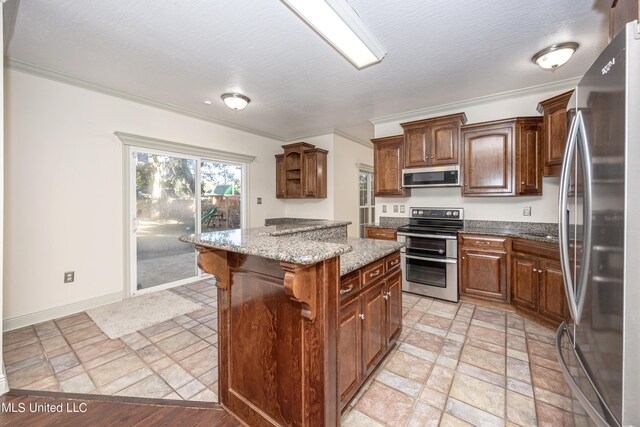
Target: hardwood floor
22, 407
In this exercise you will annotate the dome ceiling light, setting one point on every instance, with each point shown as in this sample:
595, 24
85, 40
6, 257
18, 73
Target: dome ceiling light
235, 101
555, 56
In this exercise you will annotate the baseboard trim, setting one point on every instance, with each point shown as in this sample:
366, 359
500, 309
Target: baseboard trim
61, 311
4, 384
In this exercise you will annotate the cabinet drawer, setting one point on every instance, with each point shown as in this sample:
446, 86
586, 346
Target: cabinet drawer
349, 286
483, 242
372, 272
392, 261
381, 233
547, 250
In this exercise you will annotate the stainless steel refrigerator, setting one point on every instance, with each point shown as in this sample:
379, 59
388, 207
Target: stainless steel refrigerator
599, 222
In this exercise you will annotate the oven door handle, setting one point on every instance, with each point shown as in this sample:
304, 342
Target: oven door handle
441, 260
430, 236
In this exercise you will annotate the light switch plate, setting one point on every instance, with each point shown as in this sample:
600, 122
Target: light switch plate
526, 211
395, 208
401, 208
259, 200
384, 208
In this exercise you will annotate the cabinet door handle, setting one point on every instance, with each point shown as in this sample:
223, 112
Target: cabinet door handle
347, 290
389, 293
375, 273
361, 316
394, 262
385, 296
482, 243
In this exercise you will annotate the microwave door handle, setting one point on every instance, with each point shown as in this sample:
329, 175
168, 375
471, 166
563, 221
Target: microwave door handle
563, 218
584, 149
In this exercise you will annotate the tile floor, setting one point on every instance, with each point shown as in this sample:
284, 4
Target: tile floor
463, 364
455, 365
176, 359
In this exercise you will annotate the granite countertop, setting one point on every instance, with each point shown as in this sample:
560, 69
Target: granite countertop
389, 222
253, 241
297, 227
540, 232
364, 251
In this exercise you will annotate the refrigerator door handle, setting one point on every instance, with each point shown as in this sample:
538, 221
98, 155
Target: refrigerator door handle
582, 281
563, 220
573, 385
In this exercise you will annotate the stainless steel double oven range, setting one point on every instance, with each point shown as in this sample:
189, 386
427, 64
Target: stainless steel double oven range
430, 255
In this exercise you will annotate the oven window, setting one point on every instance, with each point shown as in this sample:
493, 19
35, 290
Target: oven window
426, 272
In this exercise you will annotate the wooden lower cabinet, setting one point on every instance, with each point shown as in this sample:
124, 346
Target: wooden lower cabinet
370, 323
483, 272
374, 337
394, 305
552, 297
537, 285
350, 371
524, 280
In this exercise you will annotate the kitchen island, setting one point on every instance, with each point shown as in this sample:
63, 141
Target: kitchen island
283, 356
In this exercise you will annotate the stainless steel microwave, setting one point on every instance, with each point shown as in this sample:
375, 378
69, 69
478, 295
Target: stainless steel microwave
436, 176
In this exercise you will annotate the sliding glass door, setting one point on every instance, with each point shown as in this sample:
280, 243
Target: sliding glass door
173, 195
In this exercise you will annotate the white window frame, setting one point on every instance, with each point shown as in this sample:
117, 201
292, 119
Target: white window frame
370, 198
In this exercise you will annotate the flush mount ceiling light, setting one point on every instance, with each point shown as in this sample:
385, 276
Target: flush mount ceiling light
554, 56
235, 101
342, 28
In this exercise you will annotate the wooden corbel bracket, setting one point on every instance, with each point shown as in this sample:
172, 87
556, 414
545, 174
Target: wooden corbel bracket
214, 261
300, 284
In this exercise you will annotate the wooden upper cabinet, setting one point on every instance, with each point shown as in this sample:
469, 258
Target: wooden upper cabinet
622, 11
433, 142
555, 132
315, 173
280, 176
415, 148
301, 172
502, 158
388, 162
529, 157
488, 159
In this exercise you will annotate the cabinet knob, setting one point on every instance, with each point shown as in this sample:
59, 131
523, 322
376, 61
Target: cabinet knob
432, 157
385, 296
522, 183
535, 270
361, 316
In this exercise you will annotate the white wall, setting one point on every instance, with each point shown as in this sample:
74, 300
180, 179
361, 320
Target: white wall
346, 188
543, 208
64, 187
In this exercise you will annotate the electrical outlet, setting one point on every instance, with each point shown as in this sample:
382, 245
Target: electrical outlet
395, 208
259, 200
401, 208
69, 276
526, 211
384, 208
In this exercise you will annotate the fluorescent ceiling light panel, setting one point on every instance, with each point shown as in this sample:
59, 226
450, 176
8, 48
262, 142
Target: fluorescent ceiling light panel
340, 25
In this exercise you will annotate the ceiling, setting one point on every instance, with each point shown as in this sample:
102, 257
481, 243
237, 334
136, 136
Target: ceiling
182, 53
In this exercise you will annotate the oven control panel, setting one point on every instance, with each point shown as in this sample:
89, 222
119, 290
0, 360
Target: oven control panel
438, 213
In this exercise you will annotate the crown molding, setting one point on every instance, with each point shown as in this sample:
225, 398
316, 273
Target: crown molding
35, 70
430, 111
330, 131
